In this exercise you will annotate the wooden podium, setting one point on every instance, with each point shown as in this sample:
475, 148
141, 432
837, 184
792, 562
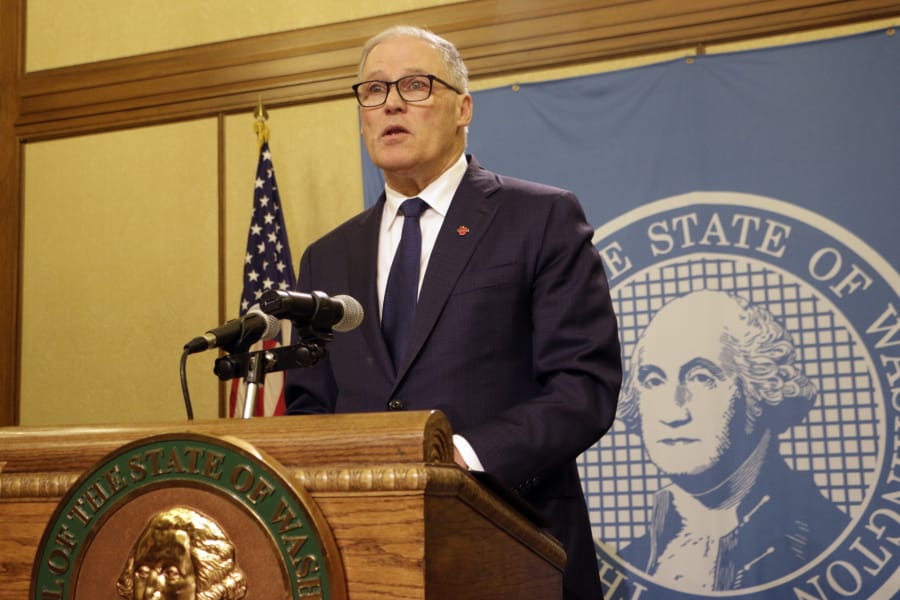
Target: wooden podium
407, 523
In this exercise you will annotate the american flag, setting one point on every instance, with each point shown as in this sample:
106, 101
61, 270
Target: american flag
267, 265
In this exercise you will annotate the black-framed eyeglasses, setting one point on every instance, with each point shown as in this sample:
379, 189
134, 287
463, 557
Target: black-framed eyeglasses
412, 88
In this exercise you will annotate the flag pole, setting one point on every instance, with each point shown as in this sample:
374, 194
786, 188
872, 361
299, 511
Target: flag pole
259, 125
267, 265
255, 375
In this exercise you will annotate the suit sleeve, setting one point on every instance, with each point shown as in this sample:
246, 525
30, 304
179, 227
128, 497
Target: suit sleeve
309, 390
575, 355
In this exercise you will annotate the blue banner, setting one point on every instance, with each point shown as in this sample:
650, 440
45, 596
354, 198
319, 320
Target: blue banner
746, 206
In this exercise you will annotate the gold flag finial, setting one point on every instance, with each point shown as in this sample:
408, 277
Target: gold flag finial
262, 130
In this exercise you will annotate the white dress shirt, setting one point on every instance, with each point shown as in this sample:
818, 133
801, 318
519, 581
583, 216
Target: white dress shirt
438, 195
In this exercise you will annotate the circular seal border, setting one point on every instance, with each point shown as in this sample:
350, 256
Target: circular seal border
223, 465
742, 199
887, 275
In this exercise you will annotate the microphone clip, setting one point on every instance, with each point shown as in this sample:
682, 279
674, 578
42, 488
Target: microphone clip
254, 365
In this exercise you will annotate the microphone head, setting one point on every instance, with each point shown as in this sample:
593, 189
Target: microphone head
273, 325
352, 313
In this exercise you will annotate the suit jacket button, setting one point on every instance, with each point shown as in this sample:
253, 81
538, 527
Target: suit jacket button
395, 404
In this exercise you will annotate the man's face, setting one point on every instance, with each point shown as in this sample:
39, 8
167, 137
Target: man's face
162, 565
413, 142
690, 408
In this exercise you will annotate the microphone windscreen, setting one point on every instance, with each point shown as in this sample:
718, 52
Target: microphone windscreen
352, 313
273, 325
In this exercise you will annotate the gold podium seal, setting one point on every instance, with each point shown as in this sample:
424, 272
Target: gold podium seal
185, 517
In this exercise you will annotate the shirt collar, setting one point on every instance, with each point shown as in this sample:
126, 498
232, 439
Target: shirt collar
438, 194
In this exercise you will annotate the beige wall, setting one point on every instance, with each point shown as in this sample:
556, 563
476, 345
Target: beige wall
71, 32
119, 258
121, 234
121, 230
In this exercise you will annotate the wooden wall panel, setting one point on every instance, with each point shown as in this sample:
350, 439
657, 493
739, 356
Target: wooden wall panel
10, 206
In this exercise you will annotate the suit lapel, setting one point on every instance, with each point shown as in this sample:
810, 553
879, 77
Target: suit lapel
363, 267
470, 214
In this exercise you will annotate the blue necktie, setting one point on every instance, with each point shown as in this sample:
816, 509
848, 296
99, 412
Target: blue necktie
399, 306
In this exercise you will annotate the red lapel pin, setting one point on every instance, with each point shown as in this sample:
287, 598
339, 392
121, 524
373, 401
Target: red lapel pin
462, 230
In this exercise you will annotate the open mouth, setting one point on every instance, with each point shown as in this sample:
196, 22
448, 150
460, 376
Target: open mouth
393, 130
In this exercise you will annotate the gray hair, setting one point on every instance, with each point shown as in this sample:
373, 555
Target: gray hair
458, 74
763, 356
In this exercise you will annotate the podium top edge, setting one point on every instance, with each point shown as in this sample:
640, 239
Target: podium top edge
407, 436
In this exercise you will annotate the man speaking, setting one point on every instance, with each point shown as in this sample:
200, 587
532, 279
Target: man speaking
484, 297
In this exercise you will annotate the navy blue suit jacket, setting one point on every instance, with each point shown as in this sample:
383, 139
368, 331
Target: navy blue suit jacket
514, 339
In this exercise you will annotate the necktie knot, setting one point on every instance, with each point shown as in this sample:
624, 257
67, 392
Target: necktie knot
413, 207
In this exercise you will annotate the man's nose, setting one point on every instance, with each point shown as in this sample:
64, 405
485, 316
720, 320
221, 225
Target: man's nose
393, 100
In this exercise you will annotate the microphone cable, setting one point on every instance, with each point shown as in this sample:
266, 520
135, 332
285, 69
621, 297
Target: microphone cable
184, 385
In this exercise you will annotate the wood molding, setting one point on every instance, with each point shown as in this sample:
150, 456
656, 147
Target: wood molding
11, 18
495, 37
318, 63
404, 437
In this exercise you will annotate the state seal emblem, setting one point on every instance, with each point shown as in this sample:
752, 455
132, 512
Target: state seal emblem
187, 516
755, 451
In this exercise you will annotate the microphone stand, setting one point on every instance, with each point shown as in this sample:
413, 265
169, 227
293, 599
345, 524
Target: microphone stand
256, 374
253, 366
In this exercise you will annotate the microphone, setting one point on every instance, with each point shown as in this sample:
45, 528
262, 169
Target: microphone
237, 335
318, 310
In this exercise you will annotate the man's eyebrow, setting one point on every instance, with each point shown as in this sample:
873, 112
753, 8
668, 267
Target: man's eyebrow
699, 361
382, 76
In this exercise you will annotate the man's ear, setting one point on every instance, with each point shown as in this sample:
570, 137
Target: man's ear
465, 111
